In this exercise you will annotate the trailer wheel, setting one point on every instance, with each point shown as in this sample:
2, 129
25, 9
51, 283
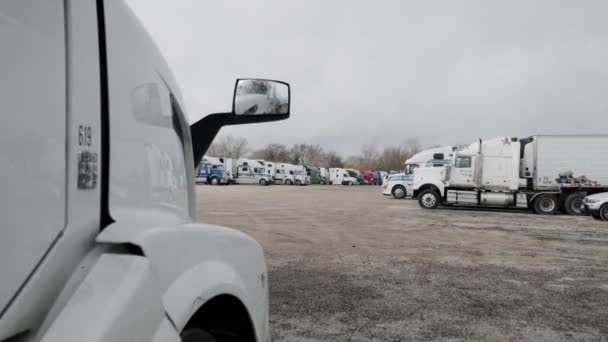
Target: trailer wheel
263, 181
398, 192
196, 335
573, 203
545, 204
428, 199
604, 212
215, 181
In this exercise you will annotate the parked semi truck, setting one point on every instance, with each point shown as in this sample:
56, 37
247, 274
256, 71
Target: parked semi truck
357, 175
314, 174
252, 171
210, 170
341, 176
100, 240
543, 172
400, 185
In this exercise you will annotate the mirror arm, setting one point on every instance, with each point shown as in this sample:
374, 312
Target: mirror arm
205, 130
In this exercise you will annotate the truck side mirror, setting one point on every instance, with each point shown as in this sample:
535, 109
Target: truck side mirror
254, 101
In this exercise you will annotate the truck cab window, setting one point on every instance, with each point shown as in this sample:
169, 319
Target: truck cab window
462, 162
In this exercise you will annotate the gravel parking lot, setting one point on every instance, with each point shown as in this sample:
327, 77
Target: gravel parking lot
348, 264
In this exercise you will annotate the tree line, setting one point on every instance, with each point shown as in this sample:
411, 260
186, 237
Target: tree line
371, 157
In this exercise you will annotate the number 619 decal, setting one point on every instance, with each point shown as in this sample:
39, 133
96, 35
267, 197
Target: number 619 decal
85, 134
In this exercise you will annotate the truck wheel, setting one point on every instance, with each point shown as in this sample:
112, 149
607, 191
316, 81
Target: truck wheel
398, 192
298, 182
545, 204
263, 181
350, 183
428, 199
322, 182
604, 212
573, 203
215, 181
289, 182
196, 335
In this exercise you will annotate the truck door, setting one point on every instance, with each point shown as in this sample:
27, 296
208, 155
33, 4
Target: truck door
245, 176
462, 173
32, 137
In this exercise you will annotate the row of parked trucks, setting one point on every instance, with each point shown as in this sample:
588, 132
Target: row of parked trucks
217, 170
545, 173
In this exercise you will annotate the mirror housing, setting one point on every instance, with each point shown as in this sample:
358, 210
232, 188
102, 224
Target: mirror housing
254, 101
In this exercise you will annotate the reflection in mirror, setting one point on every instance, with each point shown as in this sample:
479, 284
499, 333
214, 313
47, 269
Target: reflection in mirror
261, 97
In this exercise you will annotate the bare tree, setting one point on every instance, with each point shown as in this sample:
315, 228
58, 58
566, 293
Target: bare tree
229, 146
331, 159
313, 155
369, 156
297, 154
273, 152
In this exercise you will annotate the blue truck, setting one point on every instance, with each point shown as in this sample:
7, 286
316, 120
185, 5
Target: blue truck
212, 172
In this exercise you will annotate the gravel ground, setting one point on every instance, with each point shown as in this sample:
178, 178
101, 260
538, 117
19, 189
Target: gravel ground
348, 264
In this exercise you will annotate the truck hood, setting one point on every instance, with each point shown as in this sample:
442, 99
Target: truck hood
601, 196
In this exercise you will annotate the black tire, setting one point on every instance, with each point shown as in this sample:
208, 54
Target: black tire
322, 182
215, 181
196, 335
289, 182
263, 181
546, 204
573, 202
399, 192
298, 182
428, 199
350, 183
604, 212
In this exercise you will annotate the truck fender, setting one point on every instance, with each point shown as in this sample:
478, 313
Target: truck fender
118, 300
193, 288
535, 195
431, 184
196, 262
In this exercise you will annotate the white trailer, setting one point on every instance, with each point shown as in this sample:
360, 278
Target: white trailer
100, 238
339, 176
543, 172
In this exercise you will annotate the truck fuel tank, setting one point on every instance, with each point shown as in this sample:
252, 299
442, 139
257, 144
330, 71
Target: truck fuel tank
496, 199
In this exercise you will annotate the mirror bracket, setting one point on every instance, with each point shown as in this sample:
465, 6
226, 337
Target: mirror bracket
204, 130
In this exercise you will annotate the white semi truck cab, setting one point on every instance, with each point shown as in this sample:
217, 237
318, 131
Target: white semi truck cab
99, 239
400, 185
544, 172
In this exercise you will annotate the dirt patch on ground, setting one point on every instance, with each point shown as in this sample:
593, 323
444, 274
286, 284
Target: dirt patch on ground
347, 263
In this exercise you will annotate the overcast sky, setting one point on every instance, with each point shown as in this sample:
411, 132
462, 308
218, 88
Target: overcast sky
383, 71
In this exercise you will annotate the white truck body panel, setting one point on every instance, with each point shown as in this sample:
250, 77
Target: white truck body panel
339, 176
584, 155
59, 283
120, 288
33, 45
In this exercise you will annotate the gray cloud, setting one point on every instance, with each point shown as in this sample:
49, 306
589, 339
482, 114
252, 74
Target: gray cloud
383, 71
